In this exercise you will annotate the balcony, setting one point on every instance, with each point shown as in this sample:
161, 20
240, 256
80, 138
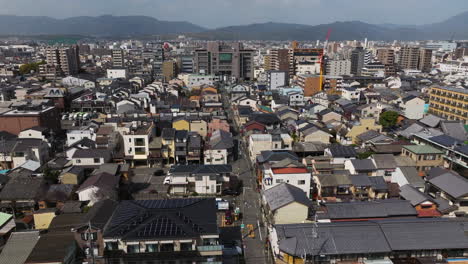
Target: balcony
216, 250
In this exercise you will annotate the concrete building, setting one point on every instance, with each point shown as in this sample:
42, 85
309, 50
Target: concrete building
357, 60
169, 69
117, 74
311, 83
136, 143
185, 63
61, 61
118, 59
225, 59
425, 60
280, 60
338, 67
409, 57
15, 121
158, 59
303, 56
277, 79
386, 56
449, 103
425, 157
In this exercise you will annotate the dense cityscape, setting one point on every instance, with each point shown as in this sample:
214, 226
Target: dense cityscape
175, 148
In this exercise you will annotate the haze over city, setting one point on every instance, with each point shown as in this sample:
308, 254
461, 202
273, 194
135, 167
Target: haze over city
219, 13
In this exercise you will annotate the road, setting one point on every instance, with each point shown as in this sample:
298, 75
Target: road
249, 200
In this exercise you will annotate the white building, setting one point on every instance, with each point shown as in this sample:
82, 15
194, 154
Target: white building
137, 140
413, 107
117, 73
195, 80
338, 67
74, 136
262, 142
299, 177
277, 79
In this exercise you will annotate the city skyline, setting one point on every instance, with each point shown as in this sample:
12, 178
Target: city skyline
241, 12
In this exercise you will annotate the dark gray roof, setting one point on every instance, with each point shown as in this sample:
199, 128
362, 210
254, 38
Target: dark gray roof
201, 169
339, 151
372, 237
168, 133
445, 140
455, 129
363, 165
156, 219
331, 180
452, 184
361, 180
24, 188
221, 140
100, 213
284, 194
413, 195
272, 156
368, 135
384, 161
18, 247
431, 120
370, 209
378, 183
412, 176
92, 153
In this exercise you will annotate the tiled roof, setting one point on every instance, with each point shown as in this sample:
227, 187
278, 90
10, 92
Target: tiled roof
289, 170
423, 149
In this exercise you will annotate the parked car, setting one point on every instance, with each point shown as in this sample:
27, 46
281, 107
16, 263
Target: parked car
230, 192
167, 180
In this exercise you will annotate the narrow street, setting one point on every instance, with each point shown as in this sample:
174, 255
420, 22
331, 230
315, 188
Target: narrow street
249, 201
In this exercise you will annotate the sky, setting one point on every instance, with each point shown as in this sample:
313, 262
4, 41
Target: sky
219, 13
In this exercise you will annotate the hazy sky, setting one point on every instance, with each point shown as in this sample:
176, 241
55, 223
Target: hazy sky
216, 13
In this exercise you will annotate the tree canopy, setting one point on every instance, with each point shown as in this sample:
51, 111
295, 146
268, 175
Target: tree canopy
28, 67
388, 119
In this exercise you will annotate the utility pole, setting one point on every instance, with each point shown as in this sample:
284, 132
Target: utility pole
91, 245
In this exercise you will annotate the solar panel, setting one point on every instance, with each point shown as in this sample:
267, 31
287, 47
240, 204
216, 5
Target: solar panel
161, 227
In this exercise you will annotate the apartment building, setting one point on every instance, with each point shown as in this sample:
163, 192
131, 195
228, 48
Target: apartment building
277, 79
338, 67
425, 60
279, 60
225, 59
64, 61
311, 83
357, 60
136, 143
425, 156
409, 57
450, 103
118, 59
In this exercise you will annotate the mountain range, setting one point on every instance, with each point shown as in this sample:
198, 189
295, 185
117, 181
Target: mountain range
121, 26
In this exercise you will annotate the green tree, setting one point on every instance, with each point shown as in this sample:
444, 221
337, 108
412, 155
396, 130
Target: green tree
51, 175
388, 119
365, 155
28, 67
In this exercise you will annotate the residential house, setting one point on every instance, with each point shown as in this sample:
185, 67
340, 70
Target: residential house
36, 133
413, 107
423, 203
22, 192
181, 124
99, 186
363, 126
408, 175
271, 121
385, 165
194, 148
47, 250
74, 136
311, 133
168, 145
200, 179
199, 126
136, 143
158, 230
361, 166
29, 149
72, 175
451, 187
426, 157
281, 200
91, 230
370, 111
219, 148
340, 153
287, 171
333, 187
261, 142
328, 115
91, 157
19, 247
383, 241
218, 124
253, 127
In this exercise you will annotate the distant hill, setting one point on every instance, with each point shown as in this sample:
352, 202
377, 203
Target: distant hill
93, 26
456, 26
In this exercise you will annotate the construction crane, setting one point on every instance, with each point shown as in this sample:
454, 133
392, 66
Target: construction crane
321, 59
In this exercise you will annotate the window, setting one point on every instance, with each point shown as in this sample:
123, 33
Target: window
97, 160
72, 138
279, 180
112, 246
151, 247
133, 248
78, 161
388, 173
167, 247
301, 182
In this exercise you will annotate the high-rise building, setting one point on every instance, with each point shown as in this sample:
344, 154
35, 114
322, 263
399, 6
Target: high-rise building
357, 60
169, 69
267, 62
304, 56
185, 63
158, 59
118, 59
386, 56
368, 57
280, 60
225, 59
460, 53
64, 61
409, 58
425, 60
338, 67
